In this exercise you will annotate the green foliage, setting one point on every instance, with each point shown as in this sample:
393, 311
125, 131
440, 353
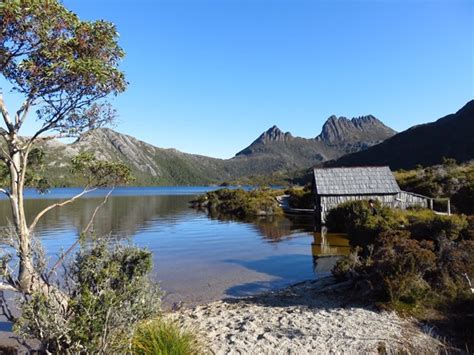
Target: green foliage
301, 197
362, 222
241, 203
59, 63
427, 225
277, 178
412, 260
35, 175
164, 337
100, 172
346, 265
447, 180
400, 263
108, 293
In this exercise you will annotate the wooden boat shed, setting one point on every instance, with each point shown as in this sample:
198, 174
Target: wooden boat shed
333, 186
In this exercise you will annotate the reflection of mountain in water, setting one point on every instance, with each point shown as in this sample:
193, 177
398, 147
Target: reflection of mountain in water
122, 215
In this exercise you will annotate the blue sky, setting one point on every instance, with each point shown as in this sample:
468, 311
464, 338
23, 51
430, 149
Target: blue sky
208, 77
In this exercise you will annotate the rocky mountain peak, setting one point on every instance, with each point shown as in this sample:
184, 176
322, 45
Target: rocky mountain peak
274, 134
337, 130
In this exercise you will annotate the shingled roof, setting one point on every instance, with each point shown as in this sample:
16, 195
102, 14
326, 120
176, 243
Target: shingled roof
355, 181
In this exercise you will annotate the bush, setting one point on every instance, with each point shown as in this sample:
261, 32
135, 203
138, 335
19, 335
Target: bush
240, 203
468, 232
447, 180
163, 337
107, 292
346, 265
463, 199
411, 260
301, 197
358, 220
455, 260
428, 225
400, 264
347, 215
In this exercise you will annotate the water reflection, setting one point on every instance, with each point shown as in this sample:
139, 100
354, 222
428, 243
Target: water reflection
197, 257
329, 244
123, 216
327, 248
273, 229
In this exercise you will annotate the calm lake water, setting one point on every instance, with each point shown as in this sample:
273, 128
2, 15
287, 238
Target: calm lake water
197, 258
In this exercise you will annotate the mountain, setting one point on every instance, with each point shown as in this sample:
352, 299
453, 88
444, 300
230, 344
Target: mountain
451, 136
350, 134
273, 151
277, 150
150, 165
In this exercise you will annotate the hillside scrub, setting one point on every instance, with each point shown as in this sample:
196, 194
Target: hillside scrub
241, 203
446, 180
413, 261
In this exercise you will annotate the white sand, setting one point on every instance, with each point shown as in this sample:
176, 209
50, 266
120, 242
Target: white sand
303, 320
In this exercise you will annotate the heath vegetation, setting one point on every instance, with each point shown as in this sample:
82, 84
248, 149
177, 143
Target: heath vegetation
414, 261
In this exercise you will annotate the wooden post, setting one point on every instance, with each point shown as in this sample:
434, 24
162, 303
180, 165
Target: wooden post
449, 207
431, 204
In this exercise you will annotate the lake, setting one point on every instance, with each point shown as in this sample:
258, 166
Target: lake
197, 258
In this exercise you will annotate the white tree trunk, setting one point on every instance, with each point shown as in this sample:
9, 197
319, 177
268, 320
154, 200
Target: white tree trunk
16, 167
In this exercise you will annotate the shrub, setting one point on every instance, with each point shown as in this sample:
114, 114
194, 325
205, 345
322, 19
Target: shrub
163, 337
455, 260
400, 265
468, 232
358, 220
428, 225
107, 292
301, 197
241, 203
347, 215
412, 260
448, 180
463, 199
346, 265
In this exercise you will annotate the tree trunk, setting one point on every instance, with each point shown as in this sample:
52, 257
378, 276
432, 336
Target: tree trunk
16, 167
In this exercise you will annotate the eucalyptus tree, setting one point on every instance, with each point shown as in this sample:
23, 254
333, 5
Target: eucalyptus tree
65, 69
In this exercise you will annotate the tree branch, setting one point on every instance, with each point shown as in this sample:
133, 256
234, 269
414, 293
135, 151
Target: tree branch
22, 113
7, 287
85, 230
5, 114
55, 205
5, 192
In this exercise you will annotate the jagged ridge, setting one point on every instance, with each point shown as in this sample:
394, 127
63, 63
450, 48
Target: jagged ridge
451, 136
340, 130
338, 136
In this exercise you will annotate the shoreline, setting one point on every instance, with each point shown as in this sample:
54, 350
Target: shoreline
313, 316
308, 317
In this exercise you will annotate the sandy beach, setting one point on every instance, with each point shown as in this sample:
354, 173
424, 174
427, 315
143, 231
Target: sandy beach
308, 318
312, 317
